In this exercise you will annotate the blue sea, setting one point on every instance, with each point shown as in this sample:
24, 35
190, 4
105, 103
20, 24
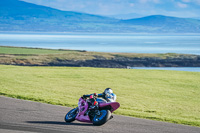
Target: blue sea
126, 43
191, 69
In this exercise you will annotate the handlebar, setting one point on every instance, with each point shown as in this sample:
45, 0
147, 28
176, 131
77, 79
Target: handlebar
94, 94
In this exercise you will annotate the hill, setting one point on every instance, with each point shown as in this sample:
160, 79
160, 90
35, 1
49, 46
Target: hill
126, 16
20, 10
166, 23
17, 15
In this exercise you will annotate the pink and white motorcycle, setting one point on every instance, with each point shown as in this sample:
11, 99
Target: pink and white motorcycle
94, 110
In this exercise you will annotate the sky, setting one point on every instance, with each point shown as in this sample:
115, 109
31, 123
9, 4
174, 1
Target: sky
176, 8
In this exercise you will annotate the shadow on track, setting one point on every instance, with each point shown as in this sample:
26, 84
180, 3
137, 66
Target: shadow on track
59, 123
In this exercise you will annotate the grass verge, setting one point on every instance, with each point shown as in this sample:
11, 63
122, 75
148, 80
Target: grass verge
61, 57
76, 54
170, 96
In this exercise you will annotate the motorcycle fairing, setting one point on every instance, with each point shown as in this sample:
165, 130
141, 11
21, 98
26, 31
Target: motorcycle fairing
113, 105
83, 107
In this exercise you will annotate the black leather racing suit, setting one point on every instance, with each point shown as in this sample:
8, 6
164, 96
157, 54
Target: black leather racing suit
102, 95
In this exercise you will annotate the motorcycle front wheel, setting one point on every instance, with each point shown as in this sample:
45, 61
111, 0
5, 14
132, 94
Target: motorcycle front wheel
101, 118
71, 115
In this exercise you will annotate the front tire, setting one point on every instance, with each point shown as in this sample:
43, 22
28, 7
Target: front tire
102, 118
71, 115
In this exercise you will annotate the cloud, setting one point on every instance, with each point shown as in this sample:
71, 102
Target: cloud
186, 1
182, 5
197, 2
192, 1
132, 4
156, 1
146, 1
143, 1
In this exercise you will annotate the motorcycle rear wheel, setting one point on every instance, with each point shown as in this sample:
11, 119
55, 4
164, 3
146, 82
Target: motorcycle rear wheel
102, 118
71, 115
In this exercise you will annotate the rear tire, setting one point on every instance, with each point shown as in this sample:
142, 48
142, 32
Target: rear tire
102, 118
71, 115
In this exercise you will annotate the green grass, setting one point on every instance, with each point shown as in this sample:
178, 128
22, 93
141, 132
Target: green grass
170, 96
74, 53
30, 51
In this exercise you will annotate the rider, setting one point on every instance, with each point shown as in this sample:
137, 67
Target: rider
108, 95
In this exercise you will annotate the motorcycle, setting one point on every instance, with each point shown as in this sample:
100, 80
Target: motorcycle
97, 112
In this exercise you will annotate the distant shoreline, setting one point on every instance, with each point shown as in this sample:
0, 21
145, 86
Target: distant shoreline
133, 33
24, 56
187, 69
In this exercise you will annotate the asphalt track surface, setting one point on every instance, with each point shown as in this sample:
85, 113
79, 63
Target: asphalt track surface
20, 116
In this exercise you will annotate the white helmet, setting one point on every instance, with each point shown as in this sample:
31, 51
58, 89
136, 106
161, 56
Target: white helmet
109, 95
108, 91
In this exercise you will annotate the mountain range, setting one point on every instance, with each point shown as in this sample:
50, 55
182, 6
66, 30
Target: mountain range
16, 15
126, 16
